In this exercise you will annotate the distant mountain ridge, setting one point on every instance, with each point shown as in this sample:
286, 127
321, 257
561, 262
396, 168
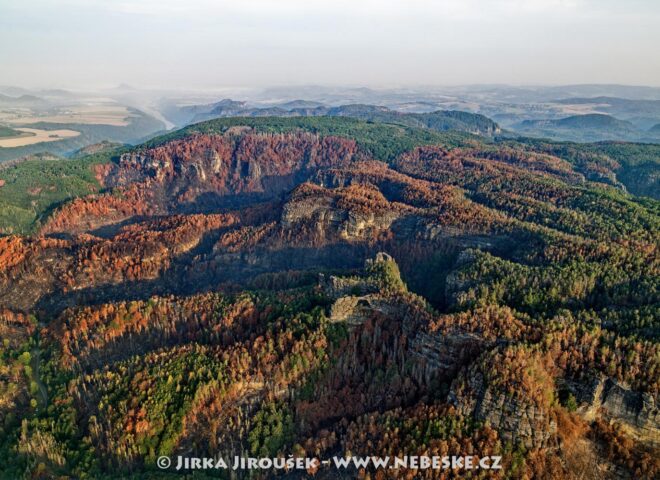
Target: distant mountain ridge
441, 120
22, 100
592, 127
627, 103
591, 120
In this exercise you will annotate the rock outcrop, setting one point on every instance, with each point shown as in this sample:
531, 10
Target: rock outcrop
638, 411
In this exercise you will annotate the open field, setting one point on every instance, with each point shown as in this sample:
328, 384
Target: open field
30, 136
114, 115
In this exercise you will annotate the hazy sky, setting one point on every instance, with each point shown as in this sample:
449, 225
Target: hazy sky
216, 43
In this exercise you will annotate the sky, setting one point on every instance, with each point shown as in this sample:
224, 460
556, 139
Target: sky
378, 43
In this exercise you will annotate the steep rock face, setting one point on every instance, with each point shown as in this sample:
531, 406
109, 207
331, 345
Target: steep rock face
434, 355
336, 287
509, 390
31, 267
442, 356
310, 203
605, 396
195, 173
355, 310
512, 390
517, 420
351, 212
224, 164
634, 408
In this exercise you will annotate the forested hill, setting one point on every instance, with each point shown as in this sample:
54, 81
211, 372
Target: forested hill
31, 189
587, 128
323, 286
440, 120
594, 120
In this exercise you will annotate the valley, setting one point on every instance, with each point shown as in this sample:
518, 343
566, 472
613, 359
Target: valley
319, 285
59, 122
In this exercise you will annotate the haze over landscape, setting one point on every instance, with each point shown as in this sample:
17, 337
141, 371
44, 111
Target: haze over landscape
212, 44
